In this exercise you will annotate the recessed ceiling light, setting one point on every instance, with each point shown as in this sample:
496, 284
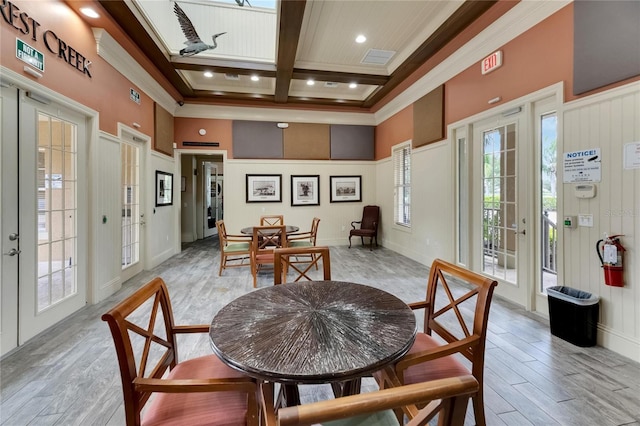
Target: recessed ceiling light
310, 82
361, 39
87, 11
208, 74
353, 85
255, 78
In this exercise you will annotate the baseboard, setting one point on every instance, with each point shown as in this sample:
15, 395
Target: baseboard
160, 257
108, 288
624, 345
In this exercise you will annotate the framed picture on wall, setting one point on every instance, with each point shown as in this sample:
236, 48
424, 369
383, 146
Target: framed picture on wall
345, 188
305, 190
264, 188
164, 188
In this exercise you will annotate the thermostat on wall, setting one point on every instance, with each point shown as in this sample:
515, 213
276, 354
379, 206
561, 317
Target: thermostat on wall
585, 191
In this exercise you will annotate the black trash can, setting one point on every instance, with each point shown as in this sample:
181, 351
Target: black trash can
573, 315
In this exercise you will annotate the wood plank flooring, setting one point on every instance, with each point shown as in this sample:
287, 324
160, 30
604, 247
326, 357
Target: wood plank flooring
68, 375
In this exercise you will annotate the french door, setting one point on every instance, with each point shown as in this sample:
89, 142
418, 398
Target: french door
43, 253
132, 198
506, 198
500, 209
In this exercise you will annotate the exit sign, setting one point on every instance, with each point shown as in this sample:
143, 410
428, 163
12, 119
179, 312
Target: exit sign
491, 62
28, 54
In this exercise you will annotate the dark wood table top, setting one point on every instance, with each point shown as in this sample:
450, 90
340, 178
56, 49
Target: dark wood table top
289, 229
313, 332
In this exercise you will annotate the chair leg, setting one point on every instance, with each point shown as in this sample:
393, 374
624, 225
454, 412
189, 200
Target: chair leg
478, 408
221, 265
371, 244
349, 241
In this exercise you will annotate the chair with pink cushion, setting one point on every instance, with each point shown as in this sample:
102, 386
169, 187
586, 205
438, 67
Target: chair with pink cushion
194, 392
455, 325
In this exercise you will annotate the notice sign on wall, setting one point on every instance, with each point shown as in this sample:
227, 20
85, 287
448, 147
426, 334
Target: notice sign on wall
582, 166
632, 155
28, 54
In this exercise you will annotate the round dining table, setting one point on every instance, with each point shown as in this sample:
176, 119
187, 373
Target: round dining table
313, 332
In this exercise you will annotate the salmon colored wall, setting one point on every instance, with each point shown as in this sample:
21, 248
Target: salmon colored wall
393, 131
186, 129
107, 91
540, 57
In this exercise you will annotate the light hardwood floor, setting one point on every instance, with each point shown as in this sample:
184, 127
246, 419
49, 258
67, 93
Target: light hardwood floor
69, 376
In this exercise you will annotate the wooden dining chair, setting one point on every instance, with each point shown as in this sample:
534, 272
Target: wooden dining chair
268, 220
305, 239
446, 398
285, 258
265, 240
235, 250
457, 311
194, 391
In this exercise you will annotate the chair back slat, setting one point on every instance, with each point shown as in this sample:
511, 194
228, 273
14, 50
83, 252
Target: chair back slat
448, 397
450, 310
285, 258
269, 220
146, 313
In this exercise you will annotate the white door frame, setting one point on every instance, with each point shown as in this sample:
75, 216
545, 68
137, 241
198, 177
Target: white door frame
11, 78
9, 222
529, 298
178, 153
142, 141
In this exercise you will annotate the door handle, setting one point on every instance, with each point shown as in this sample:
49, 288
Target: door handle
13, 236
523, 232
12, 252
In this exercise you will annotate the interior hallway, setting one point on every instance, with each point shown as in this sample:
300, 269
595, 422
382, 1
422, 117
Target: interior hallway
69, 374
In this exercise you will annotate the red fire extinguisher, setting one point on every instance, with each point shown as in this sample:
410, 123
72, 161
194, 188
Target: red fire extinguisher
611, 256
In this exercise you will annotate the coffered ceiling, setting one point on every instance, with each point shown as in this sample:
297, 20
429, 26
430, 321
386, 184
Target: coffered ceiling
271, 49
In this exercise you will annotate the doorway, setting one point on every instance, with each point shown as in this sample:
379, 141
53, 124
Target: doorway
43, 186
506, 196
212, 198
500, 208
132, 148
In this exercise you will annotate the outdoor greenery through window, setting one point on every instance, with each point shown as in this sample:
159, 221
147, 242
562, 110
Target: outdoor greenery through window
402, 184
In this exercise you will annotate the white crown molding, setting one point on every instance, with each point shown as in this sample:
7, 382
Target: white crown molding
109, 50
274, 114
522, 17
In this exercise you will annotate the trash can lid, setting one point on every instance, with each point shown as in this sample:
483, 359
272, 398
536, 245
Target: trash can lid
573, 295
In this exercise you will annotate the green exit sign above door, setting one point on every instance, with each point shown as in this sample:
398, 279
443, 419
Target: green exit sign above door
28, 54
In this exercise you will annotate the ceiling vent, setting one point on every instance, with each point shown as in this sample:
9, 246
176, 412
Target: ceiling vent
377, 57
330, 84
234, 77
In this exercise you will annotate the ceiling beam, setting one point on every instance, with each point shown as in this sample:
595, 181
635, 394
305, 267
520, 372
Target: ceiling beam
121, 13
193, 63
340, 77
291, 14
236, 98
454, 25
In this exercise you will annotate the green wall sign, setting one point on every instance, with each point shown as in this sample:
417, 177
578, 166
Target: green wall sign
28, 54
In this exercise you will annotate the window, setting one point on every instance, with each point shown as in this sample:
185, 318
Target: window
402, 184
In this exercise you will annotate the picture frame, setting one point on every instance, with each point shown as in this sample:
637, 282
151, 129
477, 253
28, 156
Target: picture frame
345, 189
264, 188
305, 190
164, 188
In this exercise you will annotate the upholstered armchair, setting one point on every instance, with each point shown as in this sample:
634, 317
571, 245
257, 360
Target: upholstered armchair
368, 226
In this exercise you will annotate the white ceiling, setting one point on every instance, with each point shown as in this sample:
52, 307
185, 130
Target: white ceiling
326, 42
